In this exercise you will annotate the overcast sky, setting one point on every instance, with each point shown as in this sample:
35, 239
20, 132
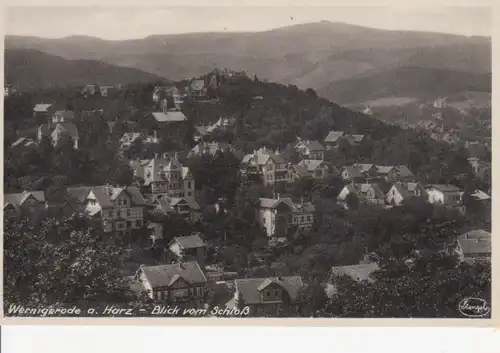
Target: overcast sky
125, 23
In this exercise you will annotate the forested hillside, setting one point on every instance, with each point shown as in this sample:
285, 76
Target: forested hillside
31, 69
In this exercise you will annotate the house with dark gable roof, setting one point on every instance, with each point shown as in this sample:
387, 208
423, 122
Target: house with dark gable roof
311, 150
369, 193
352, 173
315, 169
277, 215
265, 296
120, 209
372, 172
188, 248
394, 173
266, 166
400, 191
173, 283
63, 116
334, 137
165, 176
212, 149
201, 132
58, 132
171, 93
166, 207
197, 89
31, 204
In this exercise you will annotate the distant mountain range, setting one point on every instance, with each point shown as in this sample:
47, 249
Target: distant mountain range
29, 69
319, 55
420, 83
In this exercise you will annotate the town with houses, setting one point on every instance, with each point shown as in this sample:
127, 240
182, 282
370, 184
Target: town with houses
196, 237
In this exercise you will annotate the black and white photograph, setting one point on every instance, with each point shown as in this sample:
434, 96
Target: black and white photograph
247, 162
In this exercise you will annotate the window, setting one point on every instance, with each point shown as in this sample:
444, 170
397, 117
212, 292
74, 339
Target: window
180, 293
138, 223
108, 226
199, 291
309, 218
120, 226
189, 185
158, 295
129, 224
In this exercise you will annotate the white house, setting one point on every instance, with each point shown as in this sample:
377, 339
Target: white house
444, 194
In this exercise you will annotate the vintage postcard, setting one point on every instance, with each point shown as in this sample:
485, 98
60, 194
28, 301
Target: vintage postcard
238, 162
